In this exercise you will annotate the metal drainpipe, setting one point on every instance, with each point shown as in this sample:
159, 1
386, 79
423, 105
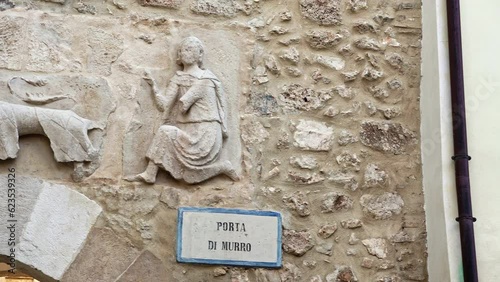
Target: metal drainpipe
461, 157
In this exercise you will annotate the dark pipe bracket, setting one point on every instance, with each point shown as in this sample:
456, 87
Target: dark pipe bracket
466, 217
460, 157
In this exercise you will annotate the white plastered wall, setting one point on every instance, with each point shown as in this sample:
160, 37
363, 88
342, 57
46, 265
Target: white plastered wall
481, 43
480, 22
443, 242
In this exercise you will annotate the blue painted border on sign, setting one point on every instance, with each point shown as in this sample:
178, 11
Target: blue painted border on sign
180, 215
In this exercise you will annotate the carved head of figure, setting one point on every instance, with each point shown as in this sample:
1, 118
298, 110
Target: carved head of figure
190, 52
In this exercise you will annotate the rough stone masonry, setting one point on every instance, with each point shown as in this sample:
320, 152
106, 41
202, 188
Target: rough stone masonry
323, 123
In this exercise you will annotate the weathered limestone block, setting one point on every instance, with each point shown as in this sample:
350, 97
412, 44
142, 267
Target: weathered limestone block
220, 271
278, 30
290, 273
356, 5
378, 92
392, 278
383, 18
322, 12
342, 273
327, 230
12, 42
253, 132
27, 190
365, 27
313, 136
344, 92
170, 197
413, 270
402, 237
346, 138
291, 55
297, 202
374, 176
350, 76
395, 60
225, 8
376, 247
115, 256
305, 178
297, 243
70, 216
347, 160
345, 180
367, 43
84, 8
147, 267
386, 137
6, 4
105, 48
394, 84
351, 223
368, 263
171, 4
303, 98
272, 64
316, 278
264, 103
371, 74
323, 39
382, 206
391, 112
304, 162
335, 202
325, 248
333, 63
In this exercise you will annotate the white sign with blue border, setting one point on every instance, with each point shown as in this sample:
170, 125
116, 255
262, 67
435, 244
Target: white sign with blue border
229, 237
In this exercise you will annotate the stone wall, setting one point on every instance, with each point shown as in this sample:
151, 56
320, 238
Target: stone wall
323, 99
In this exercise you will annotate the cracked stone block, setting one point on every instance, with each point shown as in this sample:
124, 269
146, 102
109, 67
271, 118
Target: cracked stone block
327, 230
382, 206
115, 256
304, 162
371, 74
313, 136
342, 273
224, 8
374, 176
56, 206
335, 202
351, 223
297, 202
171, 4
297, 243
322, 12
386, 137
290, 273
303, 98
147, 267
305, 178
376, 247
357, 5
367, 43
323, 39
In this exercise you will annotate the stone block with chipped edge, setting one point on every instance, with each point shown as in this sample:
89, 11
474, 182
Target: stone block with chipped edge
56, 230
104, 257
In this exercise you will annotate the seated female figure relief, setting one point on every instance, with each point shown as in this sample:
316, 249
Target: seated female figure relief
190, 148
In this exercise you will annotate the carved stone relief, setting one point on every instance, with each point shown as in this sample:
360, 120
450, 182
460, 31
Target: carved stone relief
74, 127
190, 142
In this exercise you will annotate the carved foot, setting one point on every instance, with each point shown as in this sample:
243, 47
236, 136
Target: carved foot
231, 172
142, 177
